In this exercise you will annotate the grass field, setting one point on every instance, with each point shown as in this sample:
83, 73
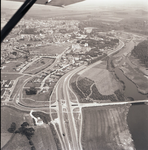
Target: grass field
9, 76
39, 65
38, 97
53, 97
18, 142
19, 85
43, 138
33, 84
96, 95
45, 117
49, 50
72, 97
104, 80
84, 85
105, 128
34, 104
5, 137
9, 115
9, 66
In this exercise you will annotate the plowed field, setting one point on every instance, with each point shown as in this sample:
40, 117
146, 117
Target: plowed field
105, 128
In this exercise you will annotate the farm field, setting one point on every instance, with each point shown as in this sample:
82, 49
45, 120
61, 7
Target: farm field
110, 19
108, 124
39, 65
43, 138
104, 80
18, 142
12, 115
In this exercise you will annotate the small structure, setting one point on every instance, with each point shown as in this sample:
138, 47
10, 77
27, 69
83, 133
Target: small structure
39, 121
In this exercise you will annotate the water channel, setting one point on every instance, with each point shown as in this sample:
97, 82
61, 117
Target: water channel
130, 88
138, 125
138, 113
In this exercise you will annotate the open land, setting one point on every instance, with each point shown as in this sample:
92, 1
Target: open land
40, 64
51, 49
104, 80
37, 97
45, 117
10, 115
18, 85
18, 142
137, 64
108, 124
43, 138
5, 76
103, 127
9, 67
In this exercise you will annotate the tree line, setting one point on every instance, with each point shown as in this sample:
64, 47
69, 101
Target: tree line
141, 52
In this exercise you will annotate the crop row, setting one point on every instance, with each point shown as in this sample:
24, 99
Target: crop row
106, 128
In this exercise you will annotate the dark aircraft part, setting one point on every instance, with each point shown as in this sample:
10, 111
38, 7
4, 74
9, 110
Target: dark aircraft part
61, 3
16, 18
58, 3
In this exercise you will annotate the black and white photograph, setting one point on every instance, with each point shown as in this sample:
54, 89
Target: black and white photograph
74, 74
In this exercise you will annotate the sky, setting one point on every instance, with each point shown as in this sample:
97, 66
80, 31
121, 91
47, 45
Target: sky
116, 2
113, 1
85, 4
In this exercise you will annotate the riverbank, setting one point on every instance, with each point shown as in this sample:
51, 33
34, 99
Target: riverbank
136, 77
108, 124
129, 87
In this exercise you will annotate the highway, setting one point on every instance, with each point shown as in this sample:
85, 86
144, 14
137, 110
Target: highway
60, 116
62, 94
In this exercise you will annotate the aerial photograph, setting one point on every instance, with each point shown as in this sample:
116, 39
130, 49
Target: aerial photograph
74, 74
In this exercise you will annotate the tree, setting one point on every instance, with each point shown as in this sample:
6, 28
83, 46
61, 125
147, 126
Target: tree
33, 148
30, 142
31, 91
12, 128
25, 124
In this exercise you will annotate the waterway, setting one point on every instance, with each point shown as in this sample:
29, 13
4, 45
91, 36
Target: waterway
138, 125
130, 88
138, 113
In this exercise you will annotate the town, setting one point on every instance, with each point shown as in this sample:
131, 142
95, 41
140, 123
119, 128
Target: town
24, 47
